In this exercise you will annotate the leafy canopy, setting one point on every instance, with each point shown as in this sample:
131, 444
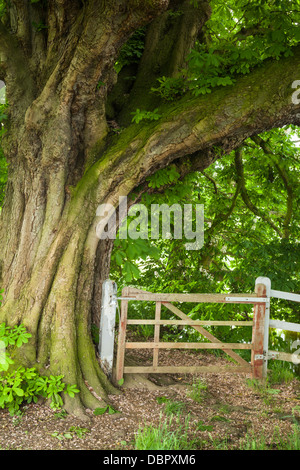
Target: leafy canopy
251, 230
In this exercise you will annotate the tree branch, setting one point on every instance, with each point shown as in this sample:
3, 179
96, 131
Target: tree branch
284, 176
223, 119
244, 193
212, 181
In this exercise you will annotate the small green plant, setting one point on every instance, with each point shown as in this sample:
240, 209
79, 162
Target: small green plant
258, 386
62, 435
198, 388
139, 115
219, 443
78, 431
170, 88
162, 399
108, 408
220, 418
26, 384
62, 414
254, 442
204, 427
263, 389
293, 441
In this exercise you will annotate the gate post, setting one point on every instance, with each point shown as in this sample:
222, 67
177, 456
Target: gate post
122, 336
260, 330
107, 326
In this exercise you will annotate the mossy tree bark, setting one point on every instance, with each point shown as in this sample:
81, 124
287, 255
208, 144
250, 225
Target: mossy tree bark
63, 163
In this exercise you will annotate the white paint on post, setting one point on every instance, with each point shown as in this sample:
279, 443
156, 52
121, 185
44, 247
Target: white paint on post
107, 326
267, 282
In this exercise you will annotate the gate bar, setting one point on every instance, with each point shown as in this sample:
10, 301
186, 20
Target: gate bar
284, 325
285, 295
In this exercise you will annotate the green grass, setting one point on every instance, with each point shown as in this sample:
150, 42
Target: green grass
280, 372
171, 407
165, 437
254, 442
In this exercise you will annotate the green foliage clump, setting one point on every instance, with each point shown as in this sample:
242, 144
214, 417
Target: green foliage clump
238, 37
132, 51
140, 115
26, 384
163, 177
169, 88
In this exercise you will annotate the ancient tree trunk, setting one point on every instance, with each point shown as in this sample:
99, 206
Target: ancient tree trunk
57, 128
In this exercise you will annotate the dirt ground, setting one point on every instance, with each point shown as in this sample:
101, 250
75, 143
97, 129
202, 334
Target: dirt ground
229, 409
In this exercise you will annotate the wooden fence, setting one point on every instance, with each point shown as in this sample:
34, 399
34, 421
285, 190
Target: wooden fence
259, 346
258, 299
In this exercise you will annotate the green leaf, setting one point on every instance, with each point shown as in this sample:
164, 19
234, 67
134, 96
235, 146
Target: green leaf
112, 411
100, 411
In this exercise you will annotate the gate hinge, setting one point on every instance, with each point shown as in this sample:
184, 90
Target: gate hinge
257, 357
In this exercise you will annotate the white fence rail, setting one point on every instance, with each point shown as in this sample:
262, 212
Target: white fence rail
284, 325
277, 294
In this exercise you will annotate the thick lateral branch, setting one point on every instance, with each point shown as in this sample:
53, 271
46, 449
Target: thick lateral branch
225, 118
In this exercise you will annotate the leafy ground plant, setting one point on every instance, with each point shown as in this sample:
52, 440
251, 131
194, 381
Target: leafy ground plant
26, 384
